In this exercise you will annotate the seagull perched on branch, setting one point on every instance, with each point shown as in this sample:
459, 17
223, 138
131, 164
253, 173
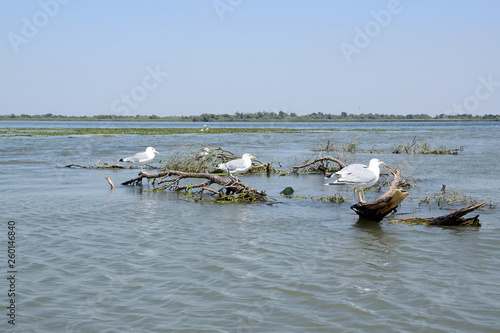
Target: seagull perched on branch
240, 165
141, 158
358, 176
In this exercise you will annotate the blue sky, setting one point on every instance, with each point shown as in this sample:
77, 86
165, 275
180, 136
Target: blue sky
187, 57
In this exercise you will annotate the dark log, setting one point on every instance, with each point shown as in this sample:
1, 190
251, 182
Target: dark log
109, 166
77, 166
387, 203
452, 219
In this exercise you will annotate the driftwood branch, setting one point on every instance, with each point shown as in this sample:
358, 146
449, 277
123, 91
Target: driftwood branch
228, 186
388, 202
176, 187
167, 173
321, 159
110, 182
108, 166
454, 218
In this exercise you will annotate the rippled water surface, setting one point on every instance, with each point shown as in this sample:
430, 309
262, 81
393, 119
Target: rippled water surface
91, 259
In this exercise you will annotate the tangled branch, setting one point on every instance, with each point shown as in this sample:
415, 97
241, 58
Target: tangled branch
322, 167
229, 190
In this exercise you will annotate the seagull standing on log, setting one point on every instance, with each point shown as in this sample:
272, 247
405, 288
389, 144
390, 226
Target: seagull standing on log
358, 176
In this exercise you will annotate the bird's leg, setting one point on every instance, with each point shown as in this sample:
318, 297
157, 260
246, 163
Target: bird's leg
236, 180
362, 200
232, 178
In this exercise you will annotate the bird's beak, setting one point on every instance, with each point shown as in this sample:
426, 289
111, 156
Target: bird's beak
382, 162
156, 152
253, 157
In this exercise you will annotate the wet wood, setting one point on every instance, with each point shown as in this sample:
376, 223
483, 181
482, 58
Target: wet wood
110, 182
109, 166
228, 186
387, 203
452, 219
97, 165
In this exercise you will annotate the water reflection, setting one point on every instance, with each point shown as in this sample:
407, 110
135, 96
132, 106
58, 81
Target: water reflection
367, 225
377, 255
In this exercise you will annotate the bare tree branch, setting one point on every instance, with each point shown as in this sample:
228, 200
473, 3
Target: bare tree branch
325, 158
230, 186
454, 218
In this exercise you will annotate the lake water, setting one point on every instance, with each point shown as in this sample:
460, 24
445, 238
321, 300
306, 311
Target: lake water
91, 259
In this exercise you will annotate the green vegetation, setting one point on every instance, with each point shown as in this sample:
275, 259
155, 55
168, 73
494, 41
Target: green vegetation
449, 197
262, 116
140, 131
69, 131
416, 146
326, 146
242, 197
336, 198
287, 191
421, 147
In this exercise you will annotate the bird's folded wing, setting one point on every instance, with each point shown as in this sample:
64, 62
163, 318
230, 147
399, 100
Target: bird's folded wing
351, 168
236, 164
137, 157
362, 175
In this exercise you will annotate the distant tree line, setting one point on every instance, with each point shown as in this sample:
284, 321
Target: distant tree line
260, 116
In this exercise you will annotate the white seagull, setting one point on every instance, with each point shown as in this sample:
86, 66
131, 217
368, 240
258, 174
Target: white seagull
141, 158
240, 165
358, 176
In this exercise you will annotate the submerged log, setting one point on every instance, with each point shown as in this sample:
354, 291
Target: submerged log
106, 166
229, 190
452, 219
387, 203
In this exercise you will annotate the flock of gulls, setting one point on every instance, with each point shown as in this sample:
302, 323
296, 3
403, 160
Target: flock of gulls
232, 167
358, 176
